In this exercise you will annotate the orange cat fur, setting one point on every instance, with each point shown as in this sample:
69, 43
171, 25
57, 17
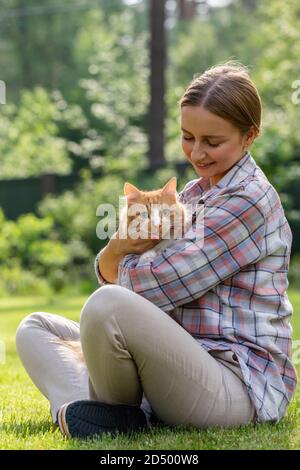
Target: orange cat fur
162, 208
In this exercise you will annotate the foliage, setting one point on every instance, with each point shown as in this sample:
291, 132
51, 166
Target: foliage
32, 257
29, 140
86, 112
116, 97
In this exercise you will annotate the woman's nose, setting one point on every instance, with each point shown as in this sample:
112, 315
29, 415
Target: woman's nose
197, 152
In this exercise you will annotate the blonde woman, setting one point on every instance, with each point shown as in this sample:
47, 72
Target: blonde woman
202, 334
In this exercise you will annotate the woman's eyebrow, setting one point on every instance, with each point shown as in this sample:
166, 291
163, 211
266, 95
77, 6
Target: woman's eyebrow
212, 135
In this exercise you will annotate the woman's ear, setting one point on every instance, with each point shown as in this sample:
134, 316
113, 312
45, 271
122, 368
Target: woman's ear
250, 136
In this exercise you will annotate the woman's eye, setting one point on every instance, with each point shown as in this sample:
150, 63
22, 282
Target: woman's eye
192, 138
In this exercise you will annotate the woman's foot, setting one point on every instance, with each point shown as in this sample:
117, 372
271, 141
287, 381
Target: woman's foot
87, 418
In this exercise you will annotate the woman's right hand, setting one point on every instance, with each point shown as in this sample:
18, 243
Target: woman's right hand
124, 246
116, 249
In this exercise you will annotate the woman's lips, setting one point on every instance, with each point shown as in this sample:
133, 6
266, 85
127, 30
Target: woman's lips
202, 166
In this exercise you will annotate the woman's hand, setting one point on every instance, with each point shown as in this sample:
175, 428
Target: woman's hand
116, 249
124, 246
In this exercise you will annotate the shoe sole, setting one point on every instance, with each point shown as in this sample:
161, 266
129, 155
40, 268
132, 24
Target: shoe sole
86, 418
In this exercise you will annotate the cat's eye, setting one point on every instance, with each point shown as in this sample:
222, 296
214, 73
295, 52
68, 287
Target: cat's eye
144, 215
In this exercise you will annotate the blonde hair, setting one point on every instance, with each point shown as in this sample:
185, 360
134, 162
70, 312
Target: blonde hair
227, 91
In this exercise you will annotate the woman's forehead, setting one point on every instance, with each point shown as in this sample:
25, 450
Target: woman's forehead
196, 119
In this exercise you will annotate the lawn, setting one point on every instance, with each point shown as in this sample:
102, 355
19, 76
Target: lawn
25, 421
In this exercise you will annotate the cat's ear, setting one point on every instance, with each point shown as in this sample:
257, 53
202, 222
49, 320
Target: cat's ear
170, 186
131, 190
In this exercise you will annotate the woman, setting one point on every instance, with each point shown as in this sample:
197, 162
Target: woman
202, 335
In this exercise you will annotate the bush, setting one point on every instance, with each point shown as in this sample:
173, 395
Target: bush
54, 251
16, 281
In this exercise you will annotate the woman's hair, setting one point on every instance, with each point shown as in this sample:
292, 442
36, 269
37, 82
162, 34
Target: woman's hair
227, 91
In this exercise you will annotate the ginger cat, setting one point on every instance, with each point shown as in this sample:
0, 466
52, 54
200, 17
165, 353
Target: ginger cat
167, 215
162, 208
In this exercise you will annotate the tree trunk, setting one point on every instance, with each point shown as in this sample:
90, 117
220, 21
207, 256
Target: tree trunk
156, 154
187, 9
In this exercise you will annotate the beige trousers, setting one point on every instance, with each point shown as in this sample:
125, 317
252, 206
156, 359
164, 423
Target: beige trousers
135, 354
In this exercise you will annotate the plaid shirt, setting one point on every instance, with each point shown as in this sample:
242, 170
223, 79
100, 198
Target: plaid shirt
231, 293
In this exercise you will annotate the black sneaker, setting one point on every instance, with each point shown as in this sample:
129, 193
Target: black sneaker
86, 418
155, 421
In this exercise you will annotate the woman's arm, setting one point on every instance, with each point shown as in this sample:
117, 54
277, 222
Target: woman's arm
111, 255
109, 259
233, 237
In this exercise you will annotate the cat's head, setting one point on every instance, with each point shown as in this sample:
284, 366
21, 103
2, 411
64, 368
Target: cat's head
160, 206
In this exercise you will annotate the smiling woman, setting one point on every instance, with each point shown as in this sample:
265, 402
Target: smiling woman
220, 118
200, 334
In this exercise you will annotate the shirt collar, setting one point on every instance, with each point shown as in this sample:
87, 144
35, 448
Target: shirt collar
244, 168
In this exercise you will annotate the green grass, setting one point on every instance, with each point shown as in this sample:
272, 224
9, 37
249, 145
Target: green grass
25, 421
